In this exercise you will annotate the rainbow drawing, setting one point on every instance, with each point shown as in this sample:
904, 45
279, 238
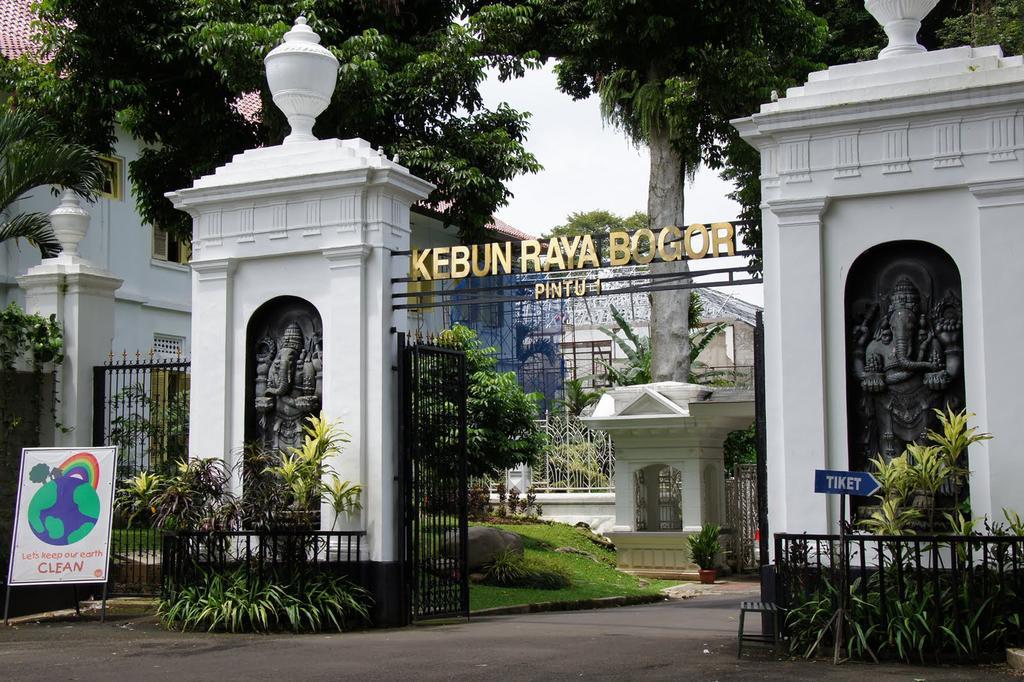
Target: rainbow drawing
84, 466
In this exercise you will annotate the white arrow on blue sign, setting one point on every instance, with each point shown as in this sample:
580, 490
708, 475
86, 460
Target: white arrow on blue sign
845, 482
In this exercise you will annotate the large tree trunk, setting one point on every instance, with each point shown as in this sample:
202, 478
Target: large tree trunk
670, 324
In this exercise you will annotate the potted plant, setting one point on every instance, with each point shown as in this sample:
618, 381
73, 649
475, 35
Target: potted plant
704, 550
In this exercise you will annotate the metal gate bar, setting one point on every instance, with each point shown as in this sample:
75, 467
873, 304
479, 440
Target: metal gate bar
432, 434
141, 405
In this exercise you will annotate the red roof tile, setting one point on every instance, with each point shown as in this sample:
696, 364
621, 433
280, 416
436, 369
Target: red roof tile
496, 225
16, 28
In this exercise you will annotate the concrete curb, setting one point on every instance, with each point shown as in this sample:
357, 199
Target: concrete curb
1015, 658
88, 607
580, 605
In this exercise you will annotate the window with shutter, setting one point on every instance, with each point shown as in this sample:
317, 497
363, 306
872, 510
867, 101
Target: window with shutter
160, 243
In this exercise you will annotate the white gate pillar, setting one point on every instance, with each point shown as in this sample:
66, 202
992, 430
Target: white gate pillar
81, 297
211, 353
318, 221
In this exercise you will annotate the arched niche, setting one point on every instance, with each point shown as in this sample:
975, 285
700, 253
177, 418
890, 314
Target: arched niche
904, 347
283, 371
659, 498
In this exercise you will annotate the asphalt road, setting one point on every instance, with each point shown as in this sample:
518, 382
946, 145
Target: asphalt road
680, 640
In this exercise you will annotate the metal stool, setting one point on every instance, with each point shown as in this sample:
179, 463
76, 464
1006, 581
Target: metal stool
759, 607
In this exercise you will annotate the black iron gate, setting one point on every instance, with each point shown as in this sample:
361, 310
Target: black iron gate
141, 405
433, 442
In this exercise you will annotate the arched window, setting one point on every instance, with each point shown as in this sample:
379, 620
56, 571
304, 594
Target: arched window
659, 498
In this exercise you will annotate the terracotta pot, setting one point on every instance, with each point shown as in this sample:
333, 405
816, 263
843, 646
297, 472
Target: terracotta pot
708, 575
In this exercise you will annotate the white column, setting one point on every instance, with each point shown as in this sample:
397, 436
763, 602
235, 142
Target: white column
693, 497
996, 465
801, 360
625, 495
345, 372
387, 229
82, 299
210, 415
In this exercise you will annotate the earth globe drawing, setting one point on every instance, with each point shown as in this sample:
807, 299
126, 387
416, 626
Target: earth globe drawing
66, 507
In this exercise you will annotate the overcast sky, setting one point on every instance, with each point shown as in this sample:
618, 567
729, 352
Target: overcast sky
589, 165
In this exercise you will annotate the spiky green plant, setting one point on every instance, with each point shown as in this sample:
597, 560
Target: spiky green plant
344, 496
302, 469
246, 601
891, 518
637, 350
956, 436
575, 398
893, 476
135, 496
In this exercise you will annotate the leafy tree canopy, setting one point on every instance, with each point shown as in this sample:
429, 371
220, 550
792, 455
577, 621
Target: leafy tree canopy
501, 431
740, 447
853, 35
670, 74
170, 72
598, 222
986, 22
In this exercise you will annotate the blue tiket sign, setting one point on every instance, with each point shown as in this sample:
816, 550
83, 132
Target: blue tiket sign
845, 482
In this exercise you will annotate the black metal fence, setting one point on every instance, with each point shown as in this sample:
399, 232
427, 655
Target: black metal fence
284, 555
911, 597
140, 405
432, 431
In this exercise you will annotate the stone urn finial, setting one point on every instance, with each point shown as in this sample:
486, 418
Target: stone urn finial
301, 74
901, 20
70, 222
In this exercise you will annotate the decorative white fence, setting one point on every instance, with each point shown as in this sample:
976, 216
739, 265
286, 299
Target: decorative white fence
577, 459
741, 515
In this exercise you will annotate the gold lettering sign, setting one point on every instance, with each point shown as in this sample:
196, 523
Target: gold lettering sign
567, 253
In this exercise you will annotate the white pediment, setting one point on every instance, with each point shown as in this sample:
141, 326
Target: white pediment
651, 403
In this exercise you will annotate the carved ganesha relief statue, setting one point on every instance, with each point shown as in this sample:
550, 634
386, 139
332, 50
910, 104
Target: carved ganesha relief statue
905, 352
287, 379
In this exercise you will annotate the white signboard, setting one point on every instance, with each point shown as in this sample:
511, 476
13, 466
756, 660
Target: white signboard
62, 521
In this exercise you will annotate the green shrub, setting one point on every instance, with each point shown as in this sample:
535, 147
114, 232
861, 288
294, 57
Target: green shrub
923, 621
243, 602
511, 570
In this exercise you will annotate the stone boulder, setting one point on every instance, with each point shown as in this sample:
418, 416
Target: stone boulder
485, 544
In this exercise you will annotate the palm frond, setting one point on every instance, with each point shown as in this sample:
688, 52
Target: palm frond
35, 229
33, 155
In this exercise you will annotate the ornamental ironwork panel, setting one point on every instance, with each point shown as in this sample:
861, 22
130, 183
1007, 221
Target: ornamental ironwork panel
741, 515
576, 458
432, 431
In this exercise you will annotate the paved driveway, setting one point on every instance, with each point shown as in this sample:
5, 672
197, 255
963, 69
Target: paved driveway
680, 640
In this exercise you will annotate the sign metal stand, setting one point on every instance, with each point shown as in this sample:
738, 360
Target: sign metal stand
78, 610
844, 484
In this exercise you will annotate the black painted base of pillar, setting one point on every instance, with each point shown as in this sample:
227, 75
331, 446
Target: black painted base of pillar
767, 595
383, 580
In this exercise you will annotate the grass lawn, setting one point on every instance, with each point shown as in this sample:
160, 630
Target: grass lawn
590, 579
136, 540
